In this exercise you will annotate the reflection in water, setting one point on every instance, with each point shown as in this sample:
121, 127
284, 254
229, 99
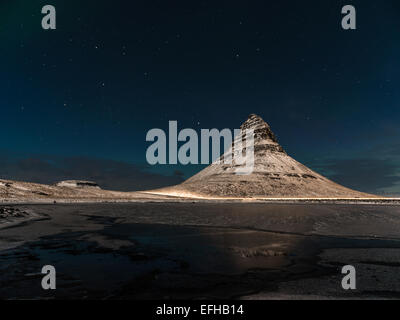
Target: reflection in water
162, 261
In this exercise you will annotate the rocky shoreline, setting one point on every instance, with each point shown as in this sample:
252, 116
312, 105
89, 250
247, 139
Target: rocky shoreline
12, 215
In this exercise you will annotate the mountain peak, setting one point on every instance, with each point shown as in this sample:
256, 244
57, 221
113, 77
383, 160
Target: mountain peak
262, 130
275, 174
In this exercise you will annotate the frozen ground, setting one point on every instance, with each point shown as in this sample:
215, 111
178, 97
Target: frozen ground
202, 250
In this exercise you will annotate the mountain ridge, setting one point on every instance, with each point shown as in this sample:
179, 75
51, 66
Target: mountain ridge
275, 174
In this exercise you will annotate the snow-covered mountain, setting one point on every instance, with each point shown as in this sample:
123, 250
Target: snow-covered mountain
275, 174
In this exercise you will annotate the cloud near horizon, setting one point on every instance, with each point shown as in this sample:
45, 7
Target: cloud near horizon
378, 176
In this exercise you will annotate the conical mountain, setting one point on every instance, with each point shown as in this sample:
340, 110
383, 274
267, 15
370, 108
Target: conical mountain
275, 174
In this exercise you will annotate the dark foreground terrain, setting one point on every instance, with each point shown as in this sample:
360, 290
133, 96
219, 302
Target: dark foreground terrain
200, 250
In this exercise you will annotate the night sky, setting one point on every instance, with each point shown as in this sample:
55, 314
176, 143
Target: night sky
77, 102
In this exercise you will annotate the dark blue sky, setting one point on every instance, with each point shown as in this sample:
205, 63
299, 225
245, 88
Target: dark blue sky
115, 69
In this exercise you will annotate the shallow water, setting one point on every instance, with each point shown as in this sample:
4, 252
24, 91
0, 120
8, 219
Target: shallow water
103, 254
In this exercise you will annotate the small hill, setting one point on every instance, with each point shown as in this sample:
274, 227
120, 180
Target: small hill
65, 191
